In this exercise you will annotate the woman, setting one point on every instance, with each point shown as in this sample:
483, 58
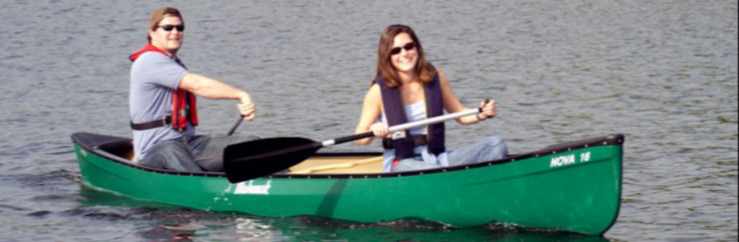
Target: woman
408, 88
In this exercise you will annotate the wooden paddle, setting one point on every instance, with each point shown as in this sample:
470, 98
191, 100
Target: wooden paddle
257, 158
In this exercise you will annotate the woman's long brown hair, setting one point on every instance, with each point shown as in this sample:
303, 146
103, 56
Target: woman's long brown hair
385, 68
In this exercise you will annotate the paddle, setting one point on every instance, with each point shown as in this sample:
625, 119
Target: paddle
236, 125
253, 159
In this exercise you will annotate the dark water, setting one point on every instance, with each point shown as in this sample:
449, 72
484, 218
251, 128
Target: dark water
664, 73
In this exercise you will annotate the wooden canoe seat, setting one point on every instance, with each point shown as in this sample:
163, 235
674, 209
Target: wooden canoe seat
339, 165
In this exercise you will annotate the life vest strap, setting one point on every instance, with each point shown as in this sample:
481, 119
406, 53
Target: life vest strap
418, 140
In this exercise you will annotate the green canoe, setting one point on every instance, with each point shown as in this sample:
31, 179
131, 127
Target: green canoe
574, 186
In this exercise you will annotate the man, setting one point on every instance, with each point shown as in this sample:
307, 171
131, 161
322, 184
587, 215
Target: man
163, 108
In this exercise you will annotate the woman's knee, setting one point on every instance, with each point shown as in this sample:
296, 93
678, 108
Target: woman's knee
497, 145
494, 141
412, 165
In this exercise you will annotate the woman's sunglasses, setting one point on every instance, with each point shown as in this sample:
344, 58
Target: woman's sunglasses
407, 47
169, 27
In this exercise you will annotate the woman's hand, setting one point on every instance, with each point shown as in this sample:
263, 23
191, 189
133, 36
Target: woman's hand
489, 109
380, 130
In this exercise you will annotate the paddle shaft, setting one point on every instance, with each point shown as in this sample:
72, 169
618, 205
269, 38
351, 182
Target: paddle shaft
403, 126
249, 160
236, 125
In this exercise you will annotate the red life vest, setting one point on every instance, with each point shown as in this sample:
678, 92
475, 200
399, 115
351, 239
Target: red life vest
184, 106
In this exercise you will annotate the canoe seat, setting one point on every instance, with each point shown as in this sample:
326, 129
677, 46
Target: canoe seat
339, 165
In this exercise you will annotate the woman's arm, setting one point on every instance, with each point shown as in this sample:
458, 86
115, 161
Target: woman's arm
452, 104
371, 110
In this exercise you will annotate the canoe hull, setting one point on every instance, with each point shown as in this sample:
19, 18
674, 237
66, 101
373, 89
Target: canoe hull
574, 187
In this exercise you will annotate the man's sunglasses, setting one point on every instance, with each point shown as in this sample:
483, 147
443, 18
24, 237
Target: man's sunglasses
407, 47
169, 27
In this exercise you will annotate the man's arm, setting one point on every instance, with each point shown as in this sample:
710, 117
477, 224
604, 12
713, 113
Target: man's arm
209, 88
213, 89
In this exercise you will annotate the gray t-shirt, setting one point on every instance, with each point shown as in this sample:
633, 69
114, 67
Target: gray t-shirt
154, 77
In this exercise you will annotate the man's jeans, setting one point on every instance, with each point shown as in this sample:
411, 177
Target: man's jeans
200, 153
487, 149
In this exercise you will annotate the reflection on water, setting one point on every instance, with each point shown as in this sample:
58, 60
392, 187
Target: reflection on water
664, 73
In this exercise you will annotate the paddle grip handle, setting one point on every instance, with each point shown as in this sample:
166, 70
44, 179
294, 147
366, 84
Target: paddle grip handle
486, 102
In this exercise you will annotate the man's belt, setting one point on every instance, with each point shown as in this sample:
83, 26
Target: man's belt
153, 124
418, 140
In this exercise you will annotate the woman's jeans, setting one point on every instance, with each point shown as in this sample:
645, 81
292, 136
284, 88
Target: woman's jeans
199, 153
487, 149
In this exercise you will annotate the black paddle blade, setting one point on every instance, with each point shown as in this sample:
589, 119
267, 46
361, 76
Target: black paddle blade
253, 159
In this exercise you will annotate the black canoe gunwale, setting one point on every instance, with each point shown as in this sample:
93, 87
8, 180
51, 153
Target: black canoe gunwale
110, 148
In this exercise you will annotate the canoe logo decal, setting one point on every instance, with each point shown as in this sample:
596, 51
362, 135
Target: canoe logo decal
564, 160
251, 188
